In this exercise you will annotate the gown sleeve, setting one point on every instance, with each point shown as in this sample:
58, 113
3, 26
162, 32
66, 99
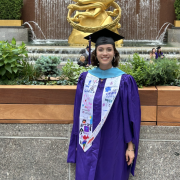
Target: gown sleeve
75, 130
131, 113
156, 55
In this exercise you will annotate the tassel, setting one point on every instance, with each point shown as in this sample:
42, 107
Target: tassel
89, 60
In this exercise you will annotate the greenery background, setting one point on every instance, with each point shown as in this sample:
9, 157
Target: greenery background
16, 69
177, 9
10, 9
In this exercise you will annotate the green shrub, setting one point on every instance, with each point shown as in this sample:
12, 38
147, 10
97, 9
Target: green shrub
160, 72
73, 71
48, 66
177, 9
10, 9
176, 82
35, 82
10, 59
21, 82
29, 72
164, 71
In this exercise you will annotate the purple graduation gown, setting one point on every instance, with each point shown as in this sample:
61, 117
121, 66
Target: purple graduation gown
158, 55
105, 160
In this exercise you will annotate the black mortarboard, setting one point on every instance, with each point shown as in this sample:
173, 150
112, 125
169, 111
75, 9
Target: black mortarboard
159, 47
103, 36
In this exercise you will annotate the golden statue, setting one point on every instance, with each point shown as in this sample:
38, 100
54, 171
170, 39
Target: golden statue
91, 16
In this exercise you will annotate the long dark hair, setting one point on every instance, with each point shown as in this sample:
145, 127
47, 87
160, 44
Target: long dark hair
152, 50
115, 62
158, 52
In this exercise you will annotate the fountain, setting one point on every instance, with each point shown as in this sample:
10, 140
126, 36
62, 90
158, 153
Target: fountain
161, 37
137, 16
38, 28
142, 32
32, 31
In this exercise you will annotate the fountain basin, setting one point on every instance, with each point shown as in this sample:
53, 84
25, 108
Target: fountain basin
126, 43
75, 57
73, 53
76, 50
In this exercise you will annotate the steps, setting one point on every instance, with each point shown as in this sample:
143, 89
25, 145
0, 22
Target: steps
73, 53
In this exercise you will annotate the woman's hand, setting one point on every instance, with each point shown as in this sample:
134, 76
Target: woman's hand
130, 153
129, 157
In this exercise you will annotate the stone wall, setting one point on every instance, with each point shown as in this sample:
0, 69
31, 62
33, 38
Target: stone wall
19, 33
174, 37
39, 152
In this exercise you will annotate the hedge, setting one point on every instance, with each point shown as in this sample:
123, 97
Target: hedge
10, 9
177, 9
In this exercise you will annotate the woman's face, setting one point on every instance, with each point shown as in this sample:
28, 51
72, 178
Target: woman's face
105, 54
82, 58
159, 50
154, 50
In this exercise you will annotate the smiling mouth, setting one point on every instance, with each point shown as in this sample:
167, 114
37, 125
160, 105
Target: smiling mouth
105, 58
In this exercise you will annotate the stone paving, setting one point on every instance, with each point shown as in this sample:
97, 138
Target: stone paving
39, 152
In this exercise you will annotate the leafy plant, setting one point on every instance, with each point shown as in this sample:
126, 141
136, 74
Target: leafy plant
73, 71
136, 68
176, 82
10, 9
60, 82
164, 71
28, 71
177, 9
160, 72
48, 66
21, 82
35, 82
10, 59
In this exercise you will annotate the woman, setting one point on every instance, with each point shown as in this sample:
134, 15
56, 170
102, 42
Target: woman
82, 61
153, 53
159, 54
105, 134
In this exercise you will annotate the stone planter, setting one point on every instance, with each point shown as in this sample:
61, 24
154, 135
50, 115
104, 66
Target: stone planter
177, 23
11, 22
54, 104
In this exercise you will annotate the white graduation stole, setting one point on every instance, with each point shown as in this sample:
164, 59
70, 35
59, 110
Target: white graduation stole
111, 88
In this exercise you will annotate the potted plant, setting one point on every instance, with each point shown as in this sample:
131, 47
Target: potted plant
177, 12
10, 12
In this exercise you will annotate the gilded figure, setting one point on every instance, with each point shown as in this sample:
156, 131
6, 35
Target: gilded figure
91, 16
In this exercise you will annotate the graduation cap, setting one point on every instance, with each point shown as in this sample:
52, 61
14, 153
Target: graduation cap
103, 36
159, 47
